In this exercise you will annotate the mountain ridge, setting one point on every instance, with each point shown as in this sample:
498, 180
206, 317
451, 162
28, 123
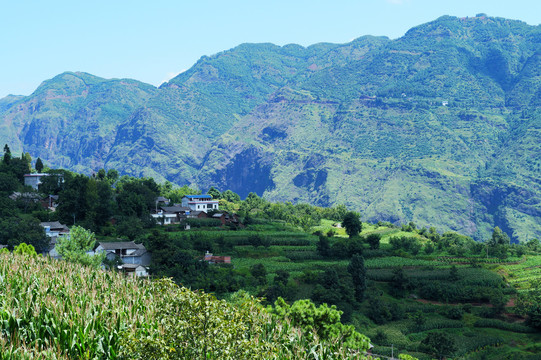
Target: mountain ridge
440, 126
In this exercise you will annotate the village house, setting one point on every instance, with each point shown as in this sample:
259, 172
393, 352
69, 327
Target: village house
226, 218
54, 230
200, 202
33, 180
168, 215
212, 259
135, 257
50, 202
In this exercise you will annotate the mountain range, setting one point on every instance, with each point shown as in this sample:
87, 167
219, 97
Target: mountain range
441, 127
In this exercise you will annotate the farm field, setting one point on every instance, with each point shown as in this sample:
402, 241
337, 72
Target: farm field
411, 290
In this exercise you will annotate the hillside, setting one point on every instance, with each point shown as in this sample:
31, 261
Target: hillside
440, 127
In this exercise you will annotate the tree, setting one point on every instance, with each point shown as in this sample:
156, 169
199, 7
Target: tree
7, 155
112, 175
39, 165
231, 196
214, 193
358, 274
373, 241
419, 319
8, 183
352, 223
453, 273
72, 200
25, 249
399, 283
18, 229
323, 246
499, 237
74, 247
529, 303
323, 321
259, 273
439, 344
130, 227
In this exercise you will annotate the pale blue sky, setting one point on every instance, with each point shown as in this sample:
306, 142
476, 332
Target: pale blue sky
152, 41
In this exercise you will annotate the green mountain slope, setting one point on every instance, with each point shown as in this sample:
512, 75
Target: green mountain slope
72, 119
428, 128
440, 126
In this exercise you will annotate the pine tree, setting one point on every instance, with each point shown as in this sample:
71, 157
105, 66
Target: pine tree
39, 165
7, 154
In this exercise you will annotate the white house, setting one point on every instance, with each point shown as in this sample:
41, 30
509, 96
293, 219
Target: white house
33, 180
200, 202
167, 215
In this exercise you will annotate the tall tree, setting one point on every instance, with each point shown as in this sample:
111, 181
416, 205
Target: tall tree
7, 155
323, 246
39, 165
358, 274
352, 223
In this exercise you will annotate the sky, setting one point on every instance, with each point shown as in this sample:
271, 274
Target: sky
152, 41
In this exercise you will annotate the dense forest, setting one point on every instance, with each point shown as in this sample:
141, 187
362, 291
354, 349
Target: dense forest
412, 290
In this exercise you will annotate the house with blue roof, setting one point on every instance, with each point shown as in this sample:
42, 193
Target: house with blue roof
203, 203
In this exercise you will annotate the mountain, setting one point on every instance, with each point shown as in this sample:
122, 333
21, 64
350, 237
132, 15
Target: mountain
440, 126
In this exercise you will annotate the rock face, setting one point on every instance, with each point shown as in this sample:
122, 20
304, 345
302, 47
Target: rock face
440, 127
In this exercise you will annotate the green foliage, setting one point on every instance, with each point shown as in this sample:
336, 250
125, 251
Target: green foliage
529, 303
499, 238
323, 322
39, 165
399, 283
352, 224
259, 273
18, 229
406, 357
24, 249
439, 344
175, 194
323, 246
373, 240
358, 274
74, 247
60, 310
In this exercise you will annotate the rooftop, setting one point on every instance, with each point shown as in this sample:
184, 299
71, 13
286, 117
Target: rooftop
198, 196
121, 245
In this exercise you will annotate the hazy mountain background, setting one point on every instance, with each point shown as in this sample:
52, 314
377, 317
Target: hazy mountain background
441, 126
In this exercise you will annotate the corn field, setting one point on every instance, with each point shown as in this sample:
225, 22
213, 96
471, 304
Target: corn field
53, 309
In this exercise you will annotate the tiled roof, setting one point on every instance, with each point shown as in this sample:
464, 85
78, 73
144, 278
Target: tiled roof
174, 209
55, 225
121, 245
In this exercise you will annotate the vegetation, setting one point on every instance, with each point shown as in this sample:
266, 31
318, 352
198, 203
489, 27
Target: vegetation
60, 310
318, 287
